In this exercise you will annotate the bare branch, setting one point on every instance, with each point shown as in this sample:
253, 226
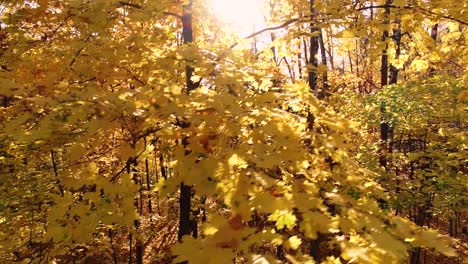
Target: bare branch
425, 11
80, 50
137, 6
284, 24
442, 16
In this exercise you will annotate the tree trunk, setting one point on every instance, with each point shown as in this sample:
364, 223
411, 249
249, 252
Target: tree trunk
130, 253
330, 50
397, 39
148, 185
299, 61
384, 126
315, 248
325, 86
185, 225
54, 166
313, 51
434, 32
132, 167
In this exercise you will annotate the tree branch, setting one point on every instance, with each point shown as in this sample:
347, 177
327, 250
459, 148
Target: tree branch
80, 50
284, 24
373, 6
426, 11
137, 6
442, 16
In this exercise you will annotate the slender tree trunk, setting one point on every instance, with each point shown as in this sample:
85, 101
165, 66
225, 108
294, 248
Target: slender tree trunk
280, 252
130, 254
384, 60
356, 63
273, 48
299, 60
397, 39
330, 50
184, 214
114, 252
312, 77
162, 166
148, 183
313, 52
315, 248
351, 68
306, 53
325, 86
384, 126
139, 244
132, 167
185, 225
291, 72
54, 166
434, 32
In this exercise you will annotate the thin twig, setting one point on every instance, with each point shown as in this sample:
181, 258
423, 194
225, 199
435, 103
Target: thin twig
80, 50
284, 24
59, 26
54, 166
137, 6
426, 11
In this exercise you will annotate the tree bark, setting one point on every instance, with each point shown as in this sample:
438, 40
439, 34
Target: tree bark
330, 50
434, 32
397, 39
325, 87
132, 167
148, 184
185, 225
384, 126
313, 52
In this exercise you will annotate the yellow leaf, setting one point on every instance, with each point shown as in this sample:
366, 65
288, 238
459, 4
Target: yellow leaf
294, 242
347, 33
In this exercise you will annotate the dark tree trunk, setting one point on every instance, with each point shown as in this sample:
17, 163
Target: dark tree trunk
397, 39
313, 51
384, 65
185, 225
132, 167
280, 252
384, 126
434, 32
148, 184
315, 248
114, 252
130, 254
325, 86
312, 77
162, 166
139, 245
330, 50
273, 48
54, 166
184, 214
299, 61
351, 68
187, 34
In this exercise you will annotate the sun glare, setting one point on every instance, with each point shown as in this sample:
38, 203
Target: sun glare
242, 16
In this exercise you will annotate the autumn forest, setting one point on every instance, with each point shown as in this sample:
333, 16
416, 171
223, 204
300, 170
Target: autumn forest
153, 131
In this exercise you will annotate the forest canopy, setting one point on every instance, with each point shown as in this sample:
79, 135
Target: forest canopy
307, 131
